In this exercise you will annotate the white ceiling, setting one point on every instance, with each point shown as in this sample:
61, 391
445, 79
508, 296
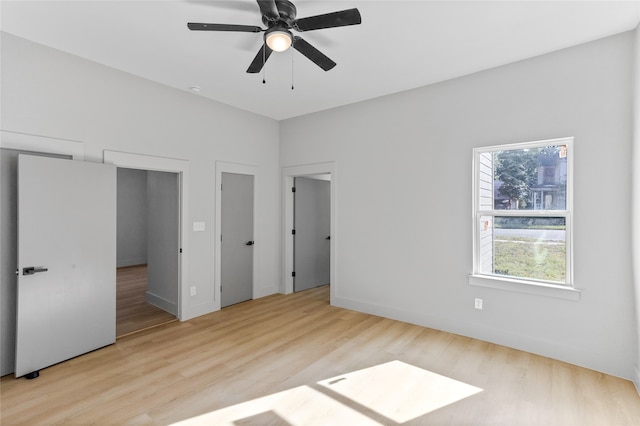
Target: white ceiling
400, 45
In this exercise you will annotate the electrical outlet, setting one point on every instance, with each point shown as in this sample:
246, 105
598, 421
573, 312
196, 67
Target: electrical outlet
193, 290
478, 304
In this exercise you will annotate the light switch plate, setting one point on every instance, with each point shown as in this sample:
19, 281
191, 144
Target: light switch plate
198, 226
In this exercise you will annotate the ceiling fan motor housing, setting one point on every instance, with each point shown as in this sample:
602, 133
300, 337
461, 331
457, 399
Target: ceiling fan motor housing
277, 28
287, 12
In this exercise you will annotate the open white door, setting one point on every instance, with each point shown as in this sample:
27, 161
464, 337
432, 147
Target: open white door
66, 260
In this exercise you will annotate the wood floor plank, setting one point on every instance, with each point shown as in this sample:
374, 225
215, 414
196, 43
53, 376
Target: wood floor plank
262, 361
133, 313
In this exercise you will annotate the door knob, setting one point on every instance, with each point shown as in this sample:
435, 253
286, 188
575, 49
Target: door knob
30, 270
250, 243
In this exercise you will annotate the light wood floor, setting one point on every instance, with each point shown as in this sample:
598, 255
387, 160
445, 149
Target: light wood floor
133, 313
267, 361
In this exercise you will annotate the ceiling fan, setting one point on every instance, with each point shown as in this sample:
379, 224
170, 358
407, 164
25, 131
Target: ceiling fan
280, 18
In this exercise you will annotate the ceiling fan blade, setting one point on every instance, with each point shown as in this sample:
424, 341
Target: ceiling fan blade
195, 26
312, 53
260, 59
269, 9
329, 20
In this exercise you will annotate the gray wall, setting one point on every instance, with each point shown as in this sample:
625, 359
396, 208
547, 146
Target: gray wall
132, 217
163, 240
395, 271
403, 237
51, 93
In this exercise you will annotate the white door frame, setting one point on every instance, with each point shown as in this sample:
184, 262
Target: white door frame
241, 169
47, 145
181, 167
288, 174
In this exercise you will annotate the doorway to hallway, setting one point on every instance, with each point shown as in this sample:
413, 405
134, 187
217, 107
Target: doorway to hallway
312, 226
325, 171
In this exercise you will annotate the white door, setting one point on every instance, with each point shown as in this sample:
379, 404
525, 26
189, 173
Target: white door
66, 260
312, 224
9, 253
236, 257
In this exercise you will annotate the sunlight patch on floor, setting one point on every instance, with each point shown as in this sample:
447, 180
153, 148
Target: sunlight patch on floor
298, 406
397, 391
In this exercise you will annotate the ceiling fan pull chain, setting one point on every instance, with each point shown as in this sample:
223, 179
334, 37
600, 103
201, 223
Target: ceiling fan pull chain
291, 69
264, 60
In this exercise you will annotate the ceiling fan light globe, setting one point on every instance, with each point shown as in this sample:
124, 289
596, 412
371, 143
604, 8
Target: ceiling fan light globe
279, 41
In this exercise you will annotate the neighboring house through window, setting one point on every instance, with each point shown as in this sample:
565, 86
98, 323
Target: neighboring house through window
522, 212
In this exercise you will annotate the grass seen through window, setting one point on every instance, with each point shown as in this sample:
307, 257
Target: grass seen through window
530, 258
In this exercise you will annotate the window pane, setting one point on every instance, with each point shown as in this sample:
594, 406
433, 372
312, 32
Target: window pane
526, 179
486, 244
525, 247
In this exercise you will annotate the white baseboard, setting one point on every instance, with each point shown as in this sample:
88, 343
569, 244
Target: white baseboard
636, 379
555, 350
162, 303
198, 310
132, 261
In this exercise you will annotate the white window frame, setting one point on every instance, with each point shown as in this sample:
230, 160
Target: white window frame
525, 285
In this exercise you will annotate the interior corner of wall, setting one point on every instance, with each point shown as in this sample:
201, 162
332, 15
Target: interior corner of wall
636, 379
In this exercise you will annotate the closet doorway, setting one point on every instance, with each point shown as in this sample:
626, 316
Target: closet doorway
148, 247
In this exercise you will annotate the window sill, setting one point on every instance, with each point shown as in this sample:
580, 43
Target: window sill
512, 284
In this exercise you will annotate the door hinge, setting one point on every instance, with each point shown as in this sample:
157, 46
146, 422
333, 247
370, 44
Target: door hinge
293, 232
180, 249
293, 189
293, 274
